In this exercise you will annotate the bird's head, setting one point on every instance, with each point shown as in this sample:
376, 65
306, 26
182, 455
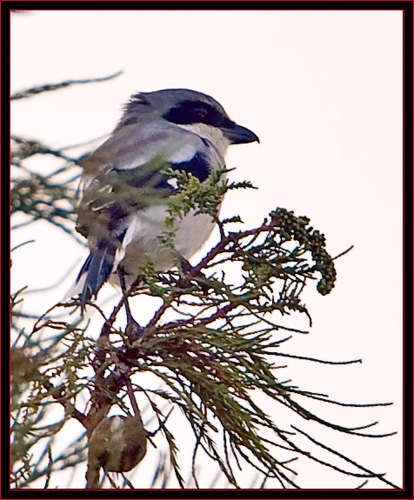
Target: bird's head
188, 109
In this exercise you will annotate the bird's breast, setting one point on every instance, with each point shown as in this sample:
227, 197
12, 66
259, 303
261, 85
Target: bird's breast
142, 244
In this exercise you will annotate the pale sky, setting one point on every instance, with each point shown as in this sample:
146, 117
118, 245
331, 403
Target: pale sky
323, 91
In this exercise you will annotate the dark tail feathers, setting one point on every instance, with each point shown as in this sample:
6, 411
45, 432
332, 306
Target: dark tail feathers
98, 267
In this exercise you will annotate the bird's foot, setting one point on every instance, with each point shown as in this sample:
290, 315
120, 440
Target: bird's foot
133, 330
187, 272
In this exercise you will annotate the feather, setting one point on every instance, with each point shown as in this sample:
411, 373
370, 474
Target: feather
98, 269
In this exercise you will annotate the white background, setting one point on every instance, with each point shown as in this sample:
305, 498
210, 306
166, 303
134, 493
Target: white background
323, 91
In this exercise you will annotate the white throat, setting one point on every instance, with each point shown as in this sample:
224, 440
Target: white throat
212, 134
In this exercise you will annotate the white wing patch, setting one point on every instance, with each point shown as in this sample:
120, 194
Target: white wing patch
173, 183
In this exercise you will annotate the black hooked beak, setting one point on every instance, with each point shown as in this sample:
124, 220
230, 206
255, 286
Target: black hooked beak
237, 134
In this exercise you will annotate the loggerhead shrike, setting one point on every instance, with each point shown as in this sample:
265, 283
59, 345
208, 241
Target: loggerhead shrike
125, 190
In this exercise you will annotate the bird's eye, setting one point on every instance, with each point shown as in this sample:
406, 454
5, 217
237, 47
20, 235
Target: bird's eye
200, 113
188, 112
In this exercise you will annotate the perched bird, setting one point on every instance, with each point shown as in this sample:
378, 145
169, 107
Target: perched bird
125, 189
